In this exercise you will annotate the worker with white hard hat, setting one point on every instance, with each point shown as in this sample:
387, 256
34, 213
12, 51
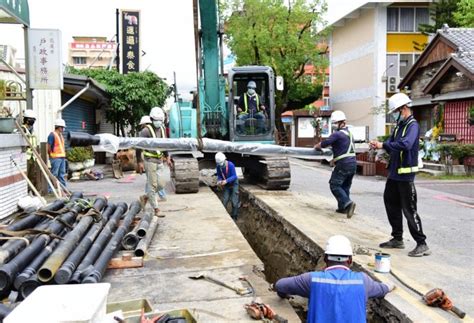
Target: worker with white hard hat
227, 180
400, 192
57, 151
336, 294
342, 143
152, 160
250, 106
29, 119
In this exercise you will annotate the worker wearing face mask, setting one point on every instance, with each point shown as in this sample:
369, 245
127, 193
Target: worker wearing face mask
250, 106
400, 193
227, 179
29, 119
152, 161
342, 143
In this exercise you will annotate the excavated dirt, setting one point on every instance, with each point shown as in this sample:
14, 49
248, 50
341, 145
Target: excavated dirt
285, 251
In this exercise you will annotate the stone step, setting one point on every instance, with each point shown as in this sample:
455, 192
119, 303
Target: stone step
433, 166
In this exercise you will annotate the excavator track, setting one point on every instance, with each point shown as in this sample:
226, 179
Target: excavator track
185, 174
271, 173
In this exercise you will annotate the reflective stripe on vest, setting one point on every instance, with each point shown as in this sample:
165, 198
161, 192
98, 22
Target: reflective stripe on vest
32, 141
350, 150
154, 153
246, 105
405, 170
58, 150
337, 295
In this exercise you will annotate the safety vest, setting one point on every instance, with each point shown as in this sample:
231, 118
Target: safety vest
246, 103
32, 141
405, 170
350, 150
337, 295
58, 150
154, 153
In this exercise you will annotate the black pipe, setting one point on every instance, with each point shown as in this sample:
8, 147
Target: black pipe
144, 225
9, 271
67, 269
81, 139
33, 218
101, 263
130, 240
29, 285
4, 311
99, 243
56, 259
35, 264
142, 246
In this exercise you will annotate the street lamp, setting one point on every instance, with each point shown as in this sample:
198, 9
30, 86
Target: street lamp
384, 74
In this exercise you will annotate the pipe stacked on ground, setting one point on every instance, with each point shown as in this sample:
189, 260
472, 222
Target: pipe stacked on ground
56, 259
69, 266
142, 246
99, 244
131, 239
9, 271
100, 265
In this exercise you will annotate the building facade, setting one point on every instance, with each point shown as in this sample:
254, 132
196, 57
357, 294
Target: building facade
91, 52
371, 50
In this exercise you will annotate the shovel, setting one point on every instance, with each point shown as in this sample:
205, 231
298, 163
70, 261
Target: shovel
239, 290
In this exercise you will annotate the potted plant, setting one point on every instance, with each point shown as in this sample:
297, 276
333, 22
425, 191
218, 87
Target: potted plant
80, 158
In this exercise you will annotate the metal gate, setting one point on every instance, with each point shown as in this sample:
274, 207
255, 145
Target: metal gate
79, 115
456, 121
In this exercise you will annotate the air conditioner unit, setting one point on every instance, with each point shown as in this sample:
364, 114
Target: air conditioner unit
392, 84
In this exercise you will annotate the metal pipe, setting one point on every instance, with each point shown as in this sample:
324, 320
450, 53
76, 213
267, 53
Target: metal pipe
142, 247
35, 264
4, 311
11, 68
64, 273
99, 243
29, 285
56, 259
144, 225
101, 263
33, 218
9, 271
71, 100
131, 239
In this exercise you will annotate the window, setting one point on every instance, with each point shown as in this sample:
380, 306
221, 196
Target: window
406, 62
422, 17
407, 19
326, 101
79, 60
392, 59
392, 19
401, 64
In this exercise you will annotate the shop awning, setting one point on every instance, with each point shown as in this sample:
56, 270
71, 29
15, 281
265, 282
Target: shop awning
14, 12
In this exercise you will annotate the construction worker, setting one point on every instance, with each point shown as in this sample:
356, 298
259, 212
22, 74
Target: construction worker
227, 179
250, 106
336, 294
400, 193
144, 121
152, 161
342, 143
29, 119
57, 151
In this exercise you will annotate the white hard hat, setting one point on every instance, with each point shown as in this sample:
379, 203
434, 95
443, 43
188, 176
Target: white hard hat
251, 85
220, 158
60, 123
157, 114
29, 114
398, 100
145, 120
337, 116
338, 245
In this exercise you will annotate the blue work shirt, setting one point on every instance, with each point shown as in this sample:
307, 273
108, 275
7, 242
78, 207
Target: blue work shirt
251, 102
407, 145
227, 172
303, 285
339, 142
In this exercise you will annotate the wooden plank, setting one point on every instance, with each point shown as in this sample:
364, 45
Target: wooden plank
126, 261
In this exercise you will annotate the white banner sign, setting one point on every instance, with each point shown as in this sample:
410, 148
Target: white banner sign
44, 59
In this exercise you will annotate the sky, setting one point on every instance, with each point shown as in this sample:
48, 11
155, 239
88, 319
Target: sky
166, 35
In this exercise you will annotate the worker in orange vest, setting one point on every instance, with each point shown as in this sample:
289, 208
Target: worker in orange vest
57, 151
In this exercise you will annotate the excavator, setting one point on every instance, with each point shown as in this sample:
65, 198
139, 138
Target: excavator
214, 112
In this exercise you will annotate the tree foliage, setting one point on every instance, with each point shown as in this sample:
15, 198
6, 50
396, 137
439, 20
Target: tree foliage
441, 12
280, 34
464, 15
132, 95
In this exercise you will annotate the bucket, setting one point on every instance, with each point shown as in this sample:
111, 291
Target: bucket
382, 262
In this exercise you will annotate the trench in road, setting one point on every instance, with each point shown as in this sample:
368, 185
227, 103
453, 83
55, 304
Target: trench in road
286, 251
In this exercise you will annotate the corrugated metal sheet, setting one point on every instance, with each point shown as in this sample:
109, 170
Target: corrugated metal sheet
79, 115
456, 121
10, 194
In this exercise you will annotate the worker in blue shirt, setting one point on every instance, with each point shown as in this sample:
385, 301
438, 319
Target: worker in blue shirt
228, 181
400, 193
342, 143
336, 294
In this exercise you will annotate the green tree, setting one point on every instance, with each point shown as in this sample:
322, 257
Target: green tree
464, 15
281, 34
132, 95
441, 12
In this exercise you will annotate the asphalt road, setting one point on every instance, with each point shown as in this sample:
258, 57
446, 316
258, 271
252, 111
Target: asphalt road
445, 207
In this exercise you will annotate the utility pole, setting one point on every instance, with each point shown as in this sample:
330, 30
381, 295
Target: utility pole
175, 86
117, 34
